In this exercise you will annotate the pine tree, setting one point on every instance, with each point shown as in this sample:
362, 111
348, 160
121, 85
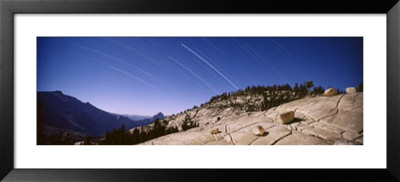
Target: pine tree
88, 140
360, 88
309, 84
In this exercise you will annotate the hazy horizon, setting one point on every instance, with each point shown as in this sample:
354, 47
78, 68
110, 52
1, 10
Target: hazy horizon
147, 75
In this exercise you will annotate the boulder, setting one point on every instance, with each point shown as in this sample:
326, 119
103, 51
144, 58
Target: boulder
351, 90
286, 117
216, 131
330, 92
258, 130
274, 134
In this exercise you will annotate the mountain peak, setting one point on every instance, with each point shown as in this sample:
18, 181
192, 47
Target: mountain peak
66, 112
159, 115
58, 92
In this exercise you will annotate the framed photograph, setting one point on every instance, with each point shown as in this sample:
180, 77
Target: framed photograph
106, 91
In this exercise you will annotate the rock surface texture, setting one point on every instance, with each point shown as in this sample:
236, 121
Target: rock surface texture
320, 120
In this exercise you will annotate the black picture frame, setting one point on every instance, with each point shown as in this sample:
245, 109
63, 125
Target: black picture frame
8, 8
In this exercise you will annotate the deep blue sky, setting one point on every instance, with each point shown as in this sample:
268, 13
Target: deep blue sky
170, 74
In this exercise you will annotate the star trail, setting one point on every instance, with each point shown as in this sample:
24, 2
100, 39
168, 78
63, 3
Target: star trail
147, 75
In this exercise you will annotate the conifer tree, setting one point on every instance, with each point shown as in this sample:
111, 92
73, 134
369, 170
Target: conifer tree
309, 84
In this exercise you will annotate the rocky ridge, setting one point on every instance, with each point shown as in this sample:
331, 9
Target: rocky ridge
318, 120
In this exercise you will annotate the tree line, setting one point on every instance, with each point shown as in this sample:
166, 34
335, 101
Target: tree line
140, 134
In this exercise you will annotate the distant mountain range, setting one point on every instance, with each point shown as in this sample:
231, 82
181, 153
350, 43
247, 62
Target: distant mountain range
140, 120
136, 117
57, 110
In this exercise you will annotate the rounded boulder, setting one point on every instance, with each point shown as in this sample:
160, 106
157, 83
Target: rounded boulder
330, 92
351, 90
258, 130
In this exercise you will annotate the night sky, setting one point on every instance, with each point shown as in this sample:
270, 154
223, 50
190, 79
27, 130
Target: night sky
146, 75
